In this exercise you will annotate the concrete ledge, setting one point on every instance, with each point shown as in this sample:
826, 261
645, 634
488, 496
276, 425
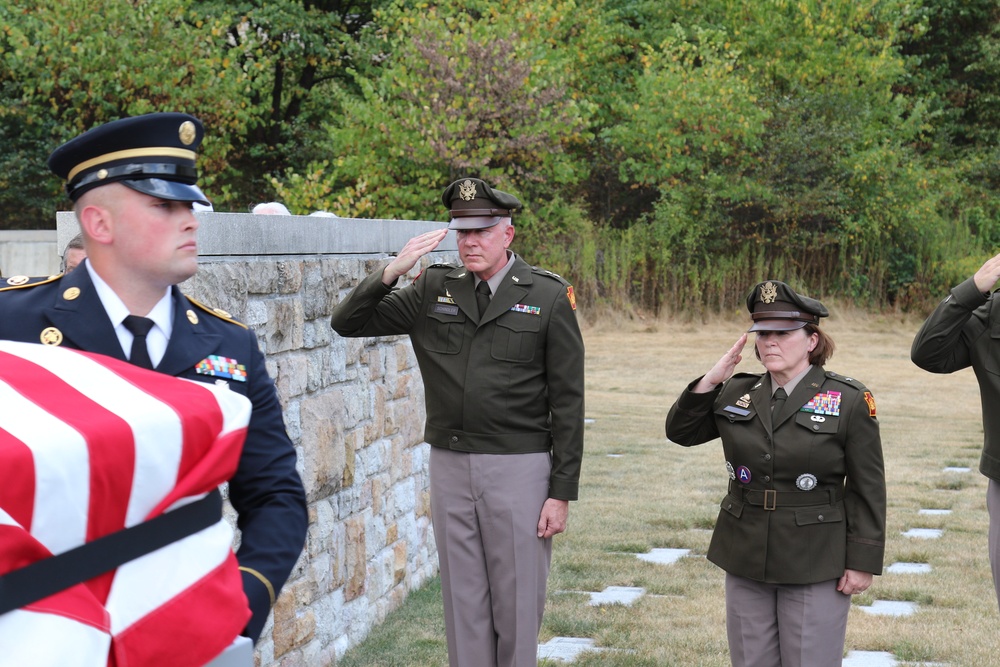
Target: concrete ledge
236, 234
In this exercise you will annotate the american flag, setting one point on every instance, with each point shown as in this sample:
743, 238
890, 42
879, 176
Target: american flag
90, 445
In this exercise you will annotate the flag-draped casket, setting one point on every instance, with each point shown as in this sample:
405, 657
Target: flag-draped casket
89, 446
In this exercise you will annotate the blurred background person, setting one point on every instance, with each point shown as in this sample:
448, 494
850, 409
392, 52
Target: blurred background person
73, 254
803, 525
270, 208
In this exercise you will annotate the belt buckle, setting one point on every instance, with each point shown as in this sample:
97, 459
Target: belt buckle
770, 499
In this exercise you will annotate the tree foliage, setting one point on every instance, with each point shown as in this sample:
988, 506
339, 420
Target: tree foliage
667, 151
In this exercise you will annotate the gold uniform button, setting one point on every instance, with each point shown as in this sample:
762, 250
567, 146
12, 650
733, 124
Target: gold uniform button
17, 280
51, 336
219, 311
71, 293
192, 317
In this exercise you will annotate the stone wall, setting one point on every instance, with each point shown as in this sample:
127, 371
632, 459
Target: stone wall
353, 408
29, 252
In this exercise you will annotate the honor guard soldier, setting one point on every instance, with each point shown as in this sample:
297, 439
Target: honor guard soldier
501, 355
803, 525
133, 183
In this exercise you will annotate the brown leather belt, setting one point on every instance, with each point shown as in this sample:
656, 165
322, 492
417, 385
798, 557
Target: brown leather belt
770, 499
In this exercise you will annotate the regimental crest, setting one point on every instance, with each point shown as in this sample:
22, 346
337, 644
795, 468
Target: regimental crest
467, 190
768, 292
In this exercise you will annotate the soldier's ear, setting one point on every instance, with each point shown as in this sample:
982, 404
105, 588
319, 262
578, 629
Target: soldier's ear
95, 222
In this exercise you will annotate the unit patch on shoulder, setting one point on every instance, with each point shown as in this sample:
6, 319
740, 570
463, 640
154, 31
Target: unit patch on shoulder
870, 400
571, 295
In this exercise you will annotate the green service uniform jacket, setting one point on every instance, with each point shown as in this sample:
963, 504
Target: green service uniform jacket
807, 494
963, 331
511, 383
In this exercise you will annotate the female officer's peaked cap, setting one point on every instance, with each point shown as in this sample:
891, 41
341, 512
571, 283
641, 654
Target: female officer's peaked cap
774, 306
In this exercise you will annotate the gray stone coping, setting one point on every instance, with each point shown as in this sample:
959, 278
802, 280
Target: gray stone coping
235, 234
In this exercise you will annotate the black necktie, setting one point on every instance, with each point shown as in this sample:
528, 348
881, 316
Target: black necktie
139, 326
483, 297
778, 399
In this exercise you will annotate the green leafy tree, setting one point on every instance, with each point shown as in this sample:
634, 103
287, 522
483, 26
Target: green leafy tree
478, 90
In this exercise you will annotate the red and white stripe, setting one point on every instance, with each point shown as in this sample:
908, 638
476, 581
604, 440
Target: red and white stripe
89, 445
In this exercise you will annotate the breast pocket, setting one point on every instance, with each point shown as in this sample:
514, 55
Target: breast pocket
444, 329
515, 337
817, 423
736, 414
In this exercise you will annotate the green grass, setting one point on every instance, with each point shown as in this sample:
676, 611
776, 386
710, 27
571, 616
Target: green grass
660, 495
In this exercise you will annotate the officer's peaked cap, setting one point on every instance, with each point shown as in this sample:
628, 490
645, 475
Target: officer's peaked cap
153, 154
774, 306
475, 205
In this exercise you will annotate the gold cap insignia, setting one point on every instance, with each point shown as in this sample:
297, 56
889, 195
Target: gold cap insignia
768, 292
71, 293
467, 190
192, 317
51, 336
187, 133
17, 280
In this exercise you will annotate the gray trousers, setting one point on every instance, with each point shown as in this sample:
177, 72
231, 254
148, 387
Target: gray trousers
785, 625
993, 505
494, 568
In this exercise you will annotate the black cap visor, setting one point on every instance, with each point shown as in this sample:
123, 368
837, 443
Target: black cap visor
475, 221
169, 190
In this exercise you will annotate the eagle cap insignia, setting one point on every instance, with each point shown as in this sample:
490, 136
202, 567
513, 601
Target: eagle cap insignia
467, 190
768, 292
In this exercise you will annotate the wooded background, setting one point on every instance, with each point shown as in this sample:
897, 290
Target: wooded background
670, 153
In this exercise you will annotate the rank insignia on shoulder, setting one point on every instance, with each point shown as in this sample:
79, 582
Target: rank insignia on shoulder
222, 367
824, 403
870, 400
530, 310
571, 295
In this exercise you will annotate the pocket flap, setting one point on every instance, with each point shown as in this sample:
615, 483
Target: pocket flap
810, 517
733, 505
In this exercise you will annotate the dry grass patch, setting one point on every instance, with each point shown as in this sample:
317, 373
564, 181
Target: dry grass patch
655, 494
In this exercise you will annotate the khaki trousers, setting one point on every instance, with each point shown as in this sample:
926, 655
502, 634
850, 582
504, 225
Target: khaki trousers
485, 510
785, 625
993, 505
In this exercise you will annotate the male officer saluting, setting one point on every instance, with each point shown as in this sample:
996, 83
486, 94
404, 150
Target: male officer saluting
132, 182
501, 355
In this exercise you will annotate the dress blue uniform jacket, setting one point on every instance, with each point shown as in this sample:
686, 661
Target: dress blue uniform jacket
266, 490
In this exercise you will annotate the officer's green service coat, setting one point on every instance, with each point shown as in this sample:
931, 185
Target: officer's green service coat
509, 384
807, 494
963, 331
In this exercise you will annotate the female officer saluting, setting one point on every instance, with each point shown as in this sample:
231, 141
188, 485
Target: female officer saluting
803, 525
